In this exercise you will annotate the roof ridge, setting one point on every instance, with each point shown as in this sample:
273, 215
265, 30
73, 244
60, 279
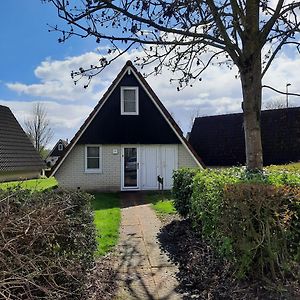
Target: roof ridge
112, 86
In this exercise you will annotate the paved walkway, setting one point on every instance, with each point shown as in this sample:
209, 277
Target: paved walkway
144, 271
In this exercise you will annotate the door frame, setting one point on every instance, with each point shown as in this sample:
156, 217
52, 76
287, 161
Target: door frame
135, 188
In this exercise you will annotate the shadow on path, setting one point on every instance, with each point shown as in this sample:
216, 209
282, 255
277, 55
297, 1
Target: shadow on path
144, 271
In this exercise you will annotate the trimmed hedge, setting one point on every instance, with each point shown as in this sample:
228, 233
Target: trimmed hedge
183, 189
47, 244
250, 218
261, 222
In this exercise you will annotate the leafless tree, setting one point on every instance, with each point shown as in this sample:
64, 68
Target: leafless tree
38, 128
189, 35
276, 104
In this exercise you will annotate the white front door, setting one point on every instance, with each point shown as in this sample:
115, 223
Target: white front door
130, 168
169, 161
158, 160
150, 166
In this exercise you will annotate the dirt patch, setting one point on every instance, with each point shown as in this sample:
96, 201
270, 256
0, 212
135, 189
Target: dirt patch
168, 218
203, 275
103, 279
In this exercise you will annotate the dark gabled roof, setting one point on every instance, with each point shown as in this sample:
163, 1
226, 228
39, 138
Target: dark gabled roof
16, 151
55, 151
153, 97
219, 140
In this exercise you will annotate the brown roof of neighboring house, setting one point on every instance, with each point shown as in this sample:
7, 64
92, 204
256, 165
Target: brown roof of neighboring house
104, 98
16, 150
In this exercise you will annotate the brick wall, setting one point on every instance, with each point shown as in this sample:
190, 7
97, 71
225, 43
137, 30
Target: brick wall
72, 174
185, 159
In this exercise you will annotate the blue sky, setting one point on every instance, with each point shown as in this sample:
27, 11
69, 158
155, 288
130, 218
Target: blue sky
35, 67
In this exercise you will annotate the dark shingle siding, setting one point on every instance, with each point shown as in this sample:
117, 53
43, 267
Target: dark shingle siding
111, 127
16, 151
219, 140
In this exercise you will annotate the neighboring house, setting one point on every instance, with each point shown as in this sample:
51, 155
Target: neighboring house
18, 158
126, 142
56, 152
219, 140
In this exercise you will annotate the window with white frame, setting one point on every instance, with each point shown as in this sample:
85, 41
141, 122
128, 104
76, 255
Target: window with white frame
60, 147
93, 159
129, 100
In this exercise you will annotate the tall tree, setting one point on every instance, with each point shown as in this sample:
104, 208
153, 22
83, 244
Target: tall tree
38, 128
189, 35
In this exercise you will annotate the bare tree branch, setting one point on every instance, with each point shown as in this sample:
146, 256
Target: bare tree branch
38, 127
186, 37
280, 92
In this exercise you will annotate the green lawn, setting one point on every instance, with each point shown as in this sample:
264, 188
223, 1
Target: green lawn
33, 184
107, 220
293, 167
162, 203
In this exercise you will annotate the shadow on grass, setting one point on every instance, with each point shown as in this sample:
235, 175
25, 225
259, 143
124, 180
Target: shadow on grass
106, 201
162, 202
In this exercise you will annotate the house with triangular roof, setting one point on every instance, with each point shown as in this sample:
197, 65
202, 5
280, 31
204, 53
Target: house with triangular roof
19, 160
127, 142
56, 152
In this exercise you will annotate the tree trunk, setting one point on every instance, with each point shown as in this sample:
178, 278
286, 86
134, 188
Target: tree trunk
250, 70
251, 85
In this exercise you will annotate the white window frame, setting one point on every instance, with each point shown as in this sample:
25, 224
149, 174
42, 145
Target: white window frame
60, 147
136, 89
95, 170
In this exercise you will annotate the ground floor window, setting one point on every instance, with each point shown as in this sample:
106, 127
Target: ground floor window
93, 159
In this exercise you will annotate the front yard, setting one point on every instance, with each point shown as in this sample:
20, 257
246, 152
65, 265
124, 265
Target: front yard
107, 216
33, 184
162, 203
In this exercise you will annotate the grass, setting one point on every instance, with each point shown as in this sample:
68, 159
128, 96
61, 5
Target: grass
162, 203
293, 167
38, 185
107, 220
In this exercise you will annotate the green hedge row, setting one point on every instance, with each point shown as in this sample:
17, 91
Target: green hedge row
252, 219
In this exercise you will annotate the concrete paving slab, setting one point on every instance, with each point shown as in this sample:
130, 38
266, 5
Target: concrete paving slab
130, 231
144, 272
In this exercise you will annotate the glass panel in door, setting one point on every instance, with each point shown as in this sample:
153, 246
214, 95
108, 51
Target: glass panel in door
130, 167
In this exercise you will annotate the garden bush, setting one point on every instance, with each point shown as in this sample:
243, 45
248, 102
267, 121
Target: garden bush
47, 244
182, 189
263, 227
250, 218
206, 199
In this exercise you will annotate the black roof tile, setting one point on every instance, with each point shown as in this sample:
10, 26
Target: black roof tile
219, 140
16, 151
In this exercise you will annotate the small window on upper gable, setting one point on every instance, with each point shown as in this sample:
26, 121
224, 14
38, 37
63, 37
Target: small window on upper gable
129, 100
60, 147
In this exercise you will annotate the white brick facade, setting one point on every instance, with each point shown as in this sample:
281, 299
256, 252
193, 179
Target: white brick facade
185, 159
72, 175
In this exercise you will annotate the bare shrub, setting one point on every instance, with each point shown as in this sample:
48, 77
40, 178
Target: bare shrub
47, 242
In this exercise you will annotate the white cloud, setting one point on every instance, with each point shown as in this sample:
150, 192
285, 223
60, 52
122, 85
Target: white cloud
68, 105
65, 120
283, 70
56, 82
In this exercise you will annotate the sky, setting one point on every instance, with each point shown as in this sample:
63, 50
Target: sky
34, 67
